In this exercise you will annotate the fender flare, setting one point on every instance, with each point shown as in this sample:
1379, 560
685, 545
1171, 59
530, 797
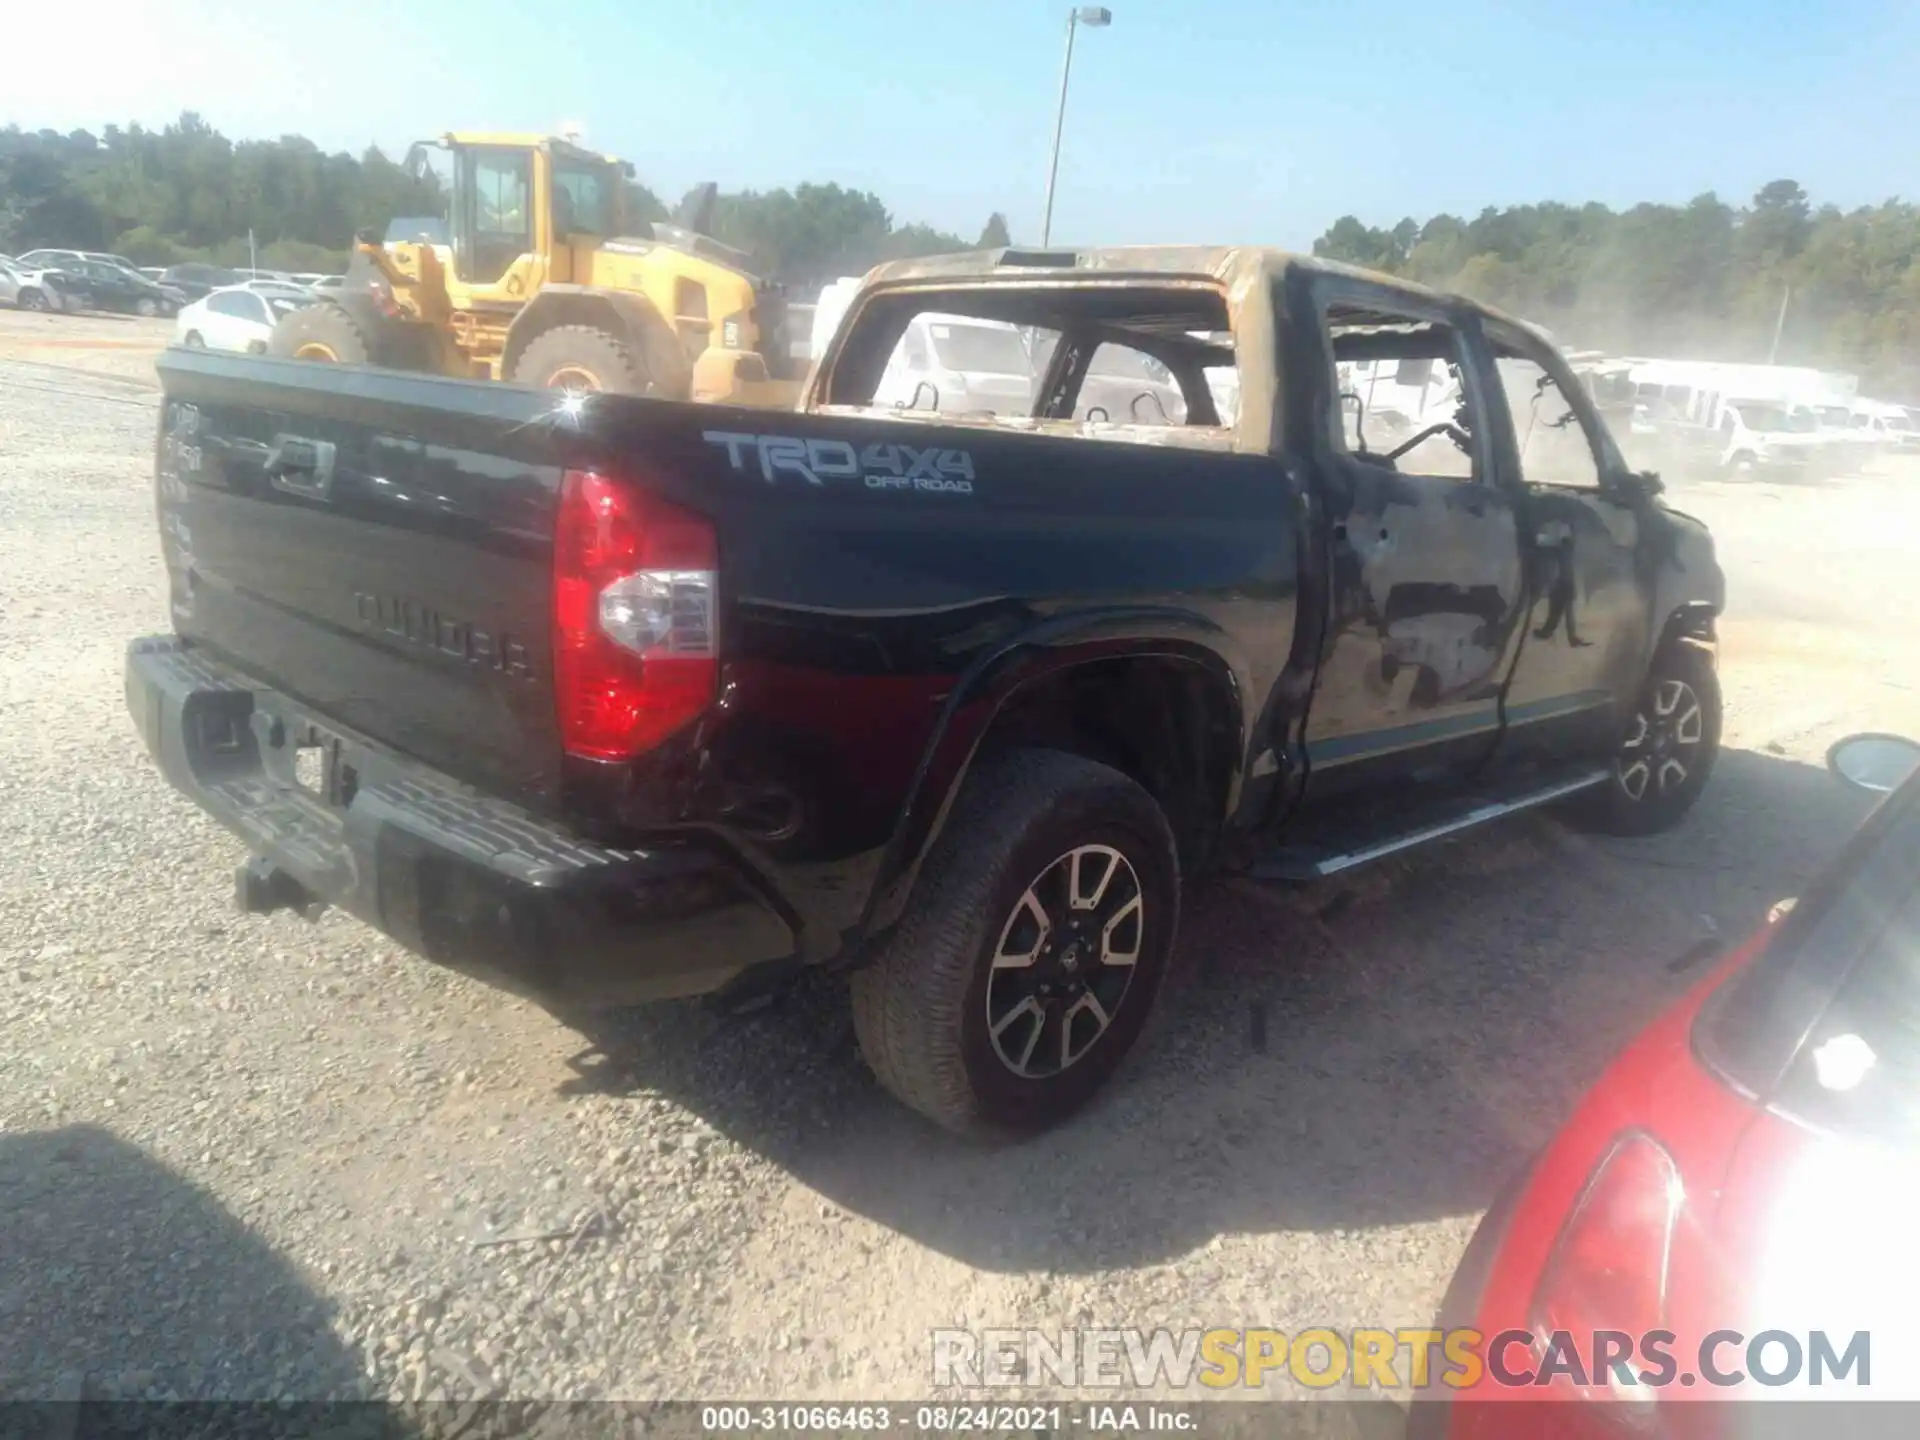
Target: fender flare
1689, 620
983, 693
632, 317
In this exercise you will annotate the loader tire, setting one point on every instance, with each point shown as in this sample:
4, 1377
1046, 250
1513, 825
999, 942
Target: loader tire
582, 357
324, 332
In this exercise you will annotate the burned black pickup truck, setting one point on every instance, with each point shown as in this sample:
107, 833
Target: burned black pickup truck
609, 698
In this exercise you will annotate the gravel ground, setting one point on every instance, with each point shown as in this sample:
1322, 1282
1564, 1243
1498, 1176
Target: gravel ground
245, 1157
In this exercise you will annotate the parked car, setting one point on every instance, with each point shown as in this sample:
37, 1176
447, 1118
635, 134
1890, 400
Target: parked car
1736, 1170
196, 280
109, 287
236, 318
611, 698
60, 258
1889, 428
277, 290
278, 277
26, 287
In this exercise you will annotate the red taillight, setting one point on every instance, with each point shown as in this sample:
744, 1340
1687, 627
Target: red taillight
634, 657
1608, 1267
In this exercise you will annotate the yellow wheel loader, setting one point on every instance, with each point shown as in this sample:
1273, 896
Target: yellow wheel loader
541, 283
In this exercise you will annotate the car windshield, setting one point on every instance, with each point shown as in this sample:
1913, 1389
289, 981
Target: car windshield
1772, 420
1896, 422
986, 349
282, 304
1833, 414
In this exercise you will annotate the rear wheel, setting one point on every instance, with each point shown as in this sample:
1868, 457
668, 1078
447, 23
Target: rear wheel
581, 357
193, 341
1033, 951
322, 332
1663, 762
33, 300
147, 306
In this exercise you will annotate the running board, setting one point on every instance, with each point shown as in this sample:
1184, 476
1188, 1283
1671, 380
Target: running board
1468, 812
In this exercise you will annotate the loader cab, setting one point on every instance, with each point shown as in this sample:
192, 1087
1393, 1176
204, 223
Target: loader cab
523, 210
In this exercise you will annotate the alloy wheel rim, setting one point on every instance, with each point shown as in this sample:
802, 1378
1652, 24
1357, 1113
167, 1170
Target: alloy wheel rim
1662, 748
1065, 960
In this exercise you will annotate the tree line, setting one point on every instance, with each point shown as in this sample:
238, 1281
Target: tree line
1705, 279
187, 192
1838, 289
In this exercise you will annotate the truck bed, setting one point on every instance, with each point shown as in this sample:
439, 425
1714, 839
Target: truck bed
376, 551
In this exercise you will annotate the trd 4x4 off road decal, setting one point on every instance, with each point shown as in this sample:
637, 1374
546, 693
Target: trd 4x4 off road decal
880, 465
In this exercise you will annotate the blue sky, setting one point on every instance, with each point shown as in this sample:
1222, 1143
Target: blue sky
1208, 120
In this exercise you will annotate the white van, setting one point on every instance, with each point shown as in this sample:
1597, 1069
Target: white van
1761, 437
1886, 427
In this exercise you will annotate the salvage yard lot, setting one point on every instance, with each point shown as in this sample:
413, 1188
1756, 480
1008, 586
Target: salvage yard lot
257, 1156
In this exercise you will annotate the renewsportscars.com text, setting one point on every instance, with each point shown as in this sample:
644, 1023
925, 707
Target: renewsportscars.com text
1322, 1358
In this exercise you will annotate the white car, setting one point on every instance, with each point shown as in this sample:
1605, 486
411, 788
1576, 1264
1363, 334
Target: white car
28, 287
53, 259
328, 285
277, 290
235, 318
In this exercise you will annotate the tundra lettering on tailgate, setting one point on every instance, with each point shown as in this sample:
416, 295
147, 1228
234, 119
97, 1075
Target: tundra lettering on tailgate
882, 465
422, 625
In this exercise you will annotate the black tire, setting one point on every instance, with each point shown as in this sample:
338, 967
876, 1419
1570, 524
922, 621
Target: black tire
322, 332
921, 1010
581, 357
1672, 727
31, 300
147, 306
193, 341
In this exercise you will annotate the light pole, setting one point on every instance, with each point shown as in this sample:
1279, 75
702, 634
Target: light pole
1095, 16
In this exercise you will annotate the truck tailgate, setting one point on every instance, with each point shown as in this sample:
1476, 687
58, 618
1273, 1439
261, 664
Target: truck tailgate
377, 546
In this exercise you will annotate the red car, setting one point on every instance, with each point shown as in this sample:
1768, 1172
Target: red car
1733, 1211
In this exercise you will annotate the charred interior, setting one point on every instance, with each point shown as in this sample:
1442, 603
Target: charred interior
1400, 392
